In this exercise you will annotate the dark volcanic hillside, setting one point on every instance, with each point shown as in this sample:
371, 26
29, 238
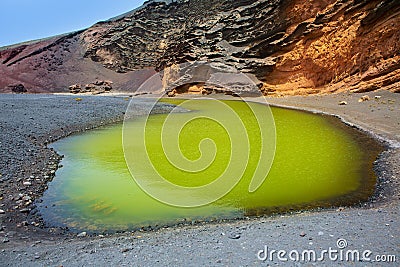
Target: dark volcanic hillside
291, 46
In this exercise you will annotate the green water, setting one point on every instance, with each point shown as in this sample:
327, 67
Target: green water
318, 162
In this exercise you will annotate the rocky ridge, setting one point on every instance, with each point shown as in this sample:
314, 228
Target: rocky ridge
287, 47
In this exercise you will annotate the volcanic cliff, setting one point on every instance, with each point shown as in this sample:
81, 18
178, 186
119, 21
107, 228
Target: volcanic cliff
287, 46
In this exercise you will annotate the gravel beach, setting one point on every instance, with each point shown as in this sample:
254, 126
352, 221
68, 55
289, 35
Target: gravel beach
29, 122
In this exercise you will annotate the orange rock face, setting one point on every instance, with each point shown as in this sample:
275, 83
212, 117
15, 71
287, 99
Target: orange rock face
289, 47
353, 49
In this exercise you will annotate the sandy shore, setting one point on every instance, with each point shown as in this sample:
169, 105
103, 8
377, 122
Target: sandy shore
28, 122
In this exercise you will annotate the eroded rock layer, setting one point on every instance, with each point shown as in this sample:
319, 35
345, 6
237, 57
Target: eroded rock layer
286, 46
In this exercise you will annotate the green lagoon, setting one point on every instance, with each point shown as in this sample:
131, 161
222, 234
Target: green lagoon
318, 162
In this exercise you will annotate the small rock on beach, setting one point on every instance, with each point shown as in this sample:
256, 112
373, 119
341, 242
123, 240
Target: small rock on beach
83, 234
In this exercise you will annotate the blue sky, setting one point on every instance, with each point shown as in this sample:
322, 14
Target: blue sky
24, 20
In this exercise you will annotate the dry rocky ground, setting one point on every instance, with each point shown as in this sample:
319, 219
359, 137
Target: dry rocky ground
30, 121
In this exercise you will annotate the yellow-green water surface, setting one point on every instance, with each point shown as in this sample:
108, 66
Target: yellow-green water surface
319, 162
